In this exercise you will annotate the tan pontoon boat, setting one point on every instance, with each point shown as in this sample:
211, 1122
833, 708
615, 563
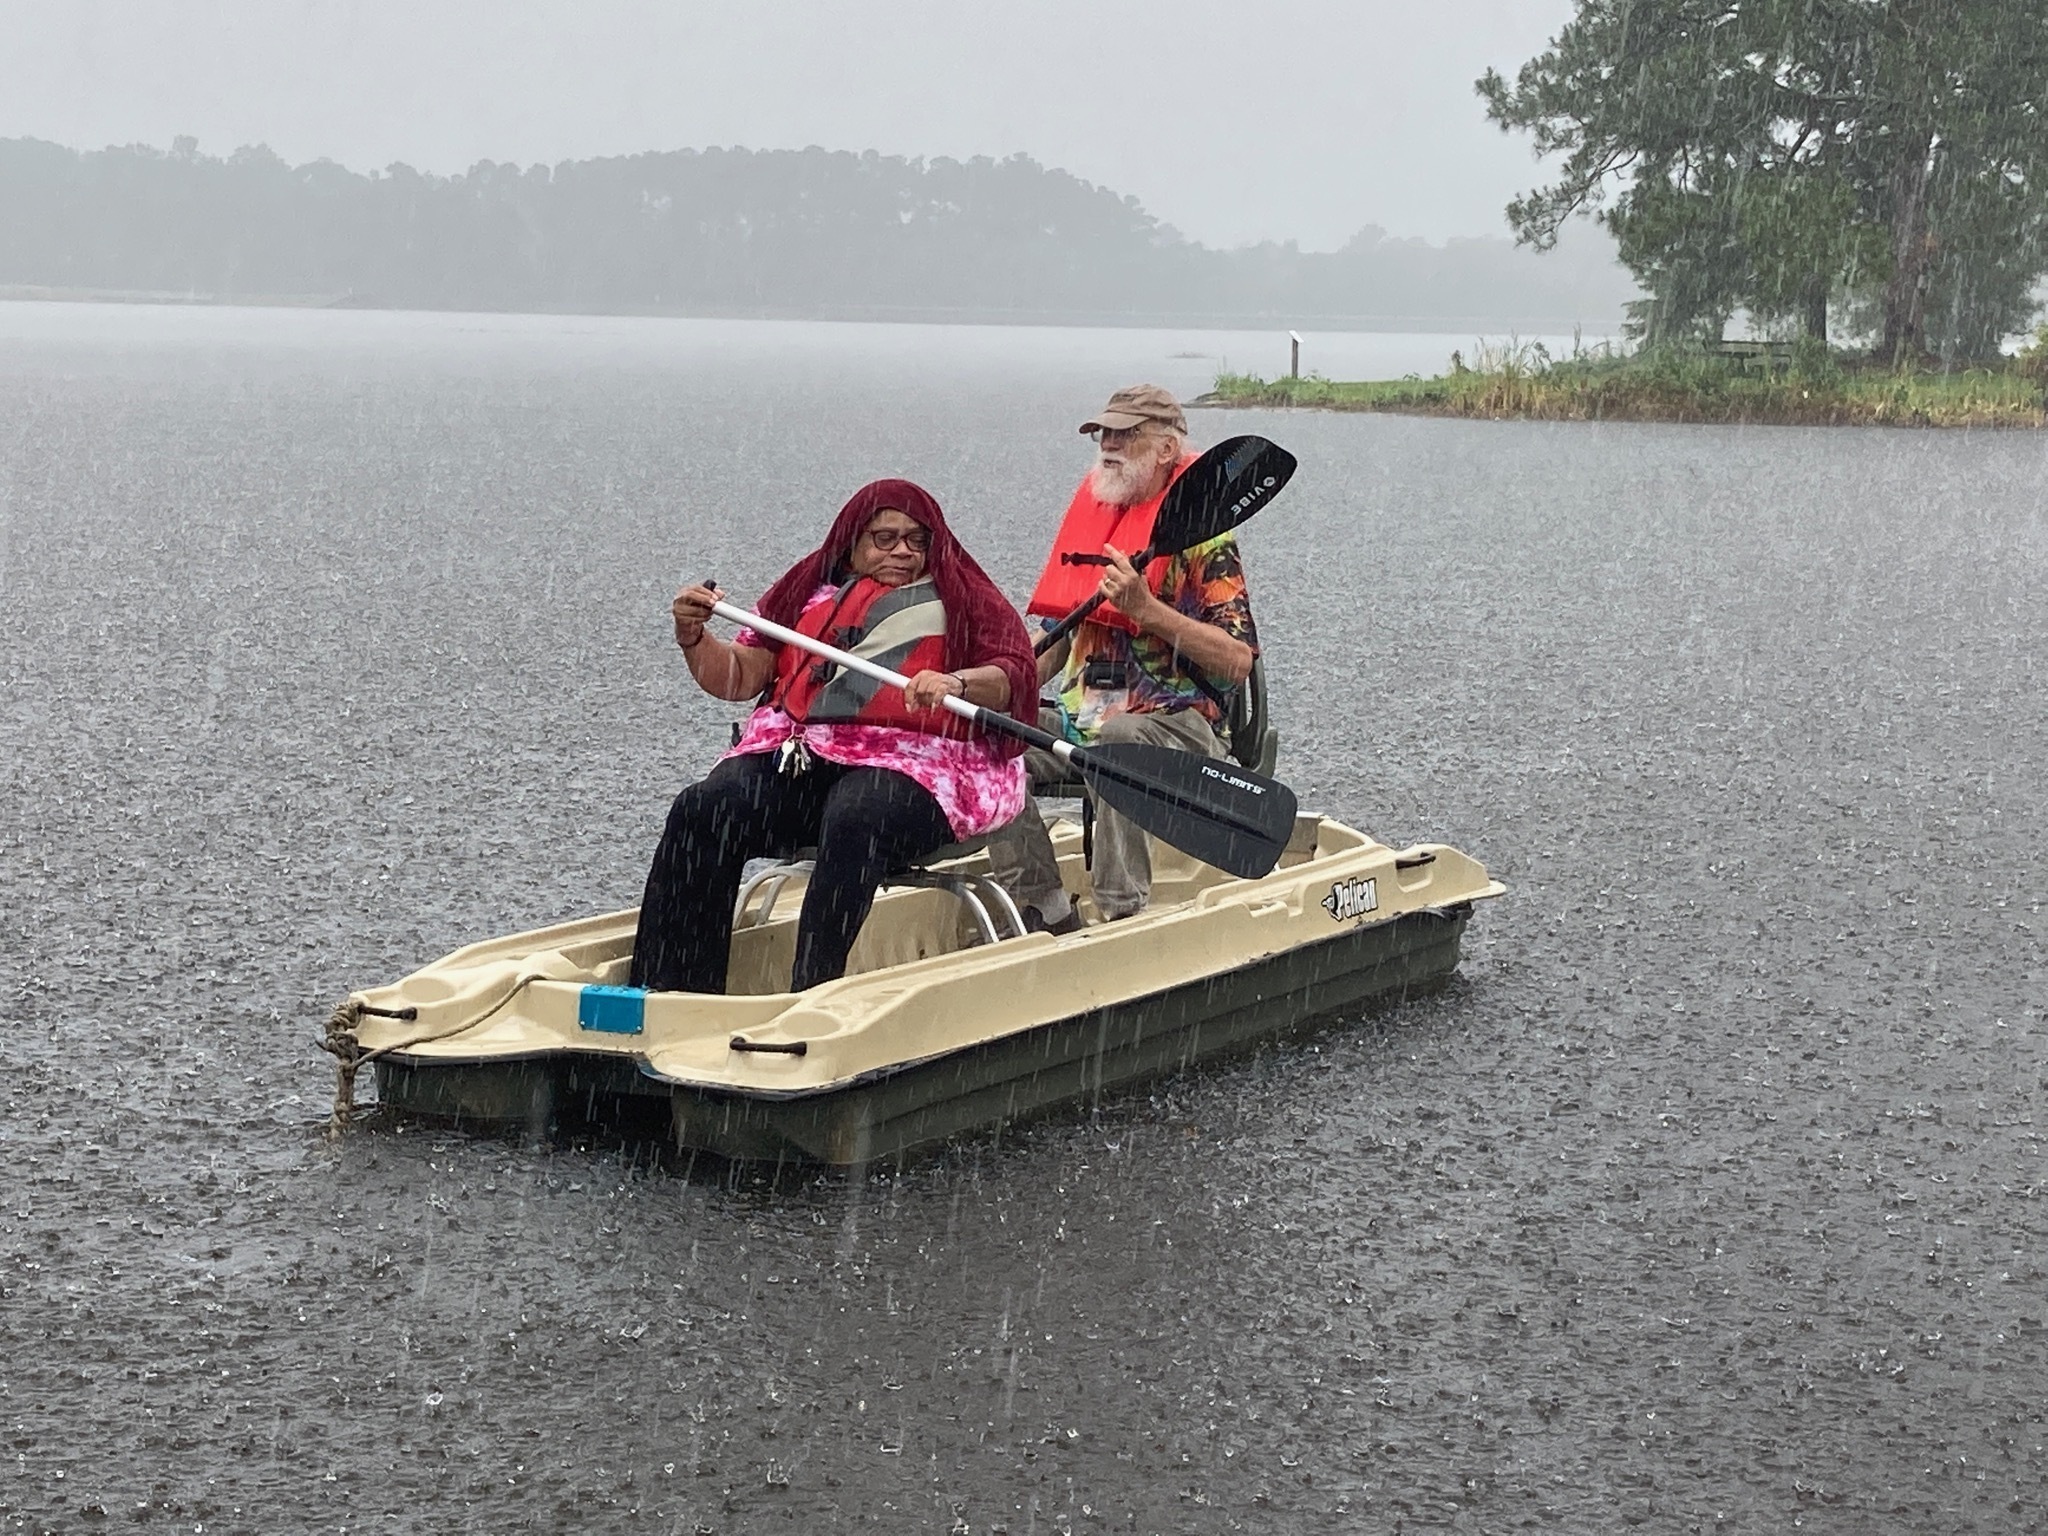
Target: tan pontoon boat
936, 1029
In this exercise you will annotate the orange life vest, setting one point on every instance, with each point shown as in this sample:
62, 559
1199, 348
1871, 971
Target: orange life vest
1065, 583
901, 628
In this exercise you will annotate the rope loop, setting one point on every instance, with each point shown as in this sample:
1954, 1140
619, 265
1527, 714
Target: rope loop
340, 1042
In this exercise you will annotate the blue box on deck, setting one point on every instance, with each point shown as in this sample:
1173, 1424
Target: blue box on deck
612, 1010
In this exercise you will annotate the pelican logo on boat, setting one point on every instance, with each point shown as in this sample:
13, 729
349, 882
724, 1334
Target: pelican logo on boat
1352, 898
1209, 771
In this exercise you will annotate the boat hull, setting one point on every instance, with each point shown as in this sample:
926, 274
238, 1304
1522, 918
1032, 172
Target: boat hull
886, 1113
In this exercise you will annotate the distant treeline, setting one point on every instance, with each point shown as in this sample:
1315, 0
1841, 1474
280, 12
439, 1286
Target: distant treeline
721, 231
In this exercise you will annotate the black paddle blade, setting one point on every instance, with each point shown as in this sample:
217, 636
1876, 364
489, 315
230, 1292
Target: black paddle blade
1207, 807
1226, 486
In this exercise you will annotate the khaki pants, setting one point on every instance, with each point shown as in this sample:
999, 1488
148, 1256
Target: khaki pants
1021, 856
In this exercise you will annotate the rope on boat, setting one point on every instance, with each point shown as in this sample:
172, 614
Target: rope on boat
341, 1043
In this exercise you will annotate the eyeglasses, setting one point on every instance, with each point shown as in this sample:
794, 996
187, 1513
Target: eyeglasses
1117, 437
917, 539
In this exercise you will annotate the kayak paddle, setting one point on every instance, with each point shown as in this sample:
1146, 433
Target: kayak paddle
1208, 807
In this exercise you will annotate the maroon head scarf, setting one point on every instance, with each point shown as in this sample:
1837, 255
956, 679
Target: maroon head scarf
982, 629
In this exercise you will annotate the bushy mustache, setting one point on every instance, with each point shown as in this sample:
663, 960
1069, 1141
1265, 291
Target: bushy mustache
1117, 484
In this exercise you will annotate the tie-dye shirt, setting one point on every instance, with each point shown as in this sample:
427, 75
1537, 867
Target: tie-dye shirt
976, 788
1205, 583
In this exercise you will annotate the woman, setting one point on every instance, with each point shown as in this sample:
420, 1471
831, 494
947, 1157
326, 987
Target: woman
874, 777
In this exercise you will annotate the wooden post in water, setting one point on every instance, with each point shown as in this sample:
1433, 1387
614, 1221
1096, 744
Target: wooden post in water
1294, 360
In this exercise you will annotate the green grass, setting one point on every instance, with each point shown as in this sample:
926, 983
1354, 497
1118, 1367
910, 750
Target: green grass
1522, 380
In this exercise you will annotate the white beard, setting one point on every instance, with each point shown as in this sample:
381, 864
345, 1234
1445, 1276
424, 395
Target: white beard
1119, 485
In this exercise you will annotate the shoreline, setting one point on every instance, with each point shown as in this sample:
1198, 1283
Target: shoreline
1973, 399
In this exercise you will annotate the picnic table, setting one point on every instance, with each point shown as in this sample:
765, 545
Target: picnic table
1762, 356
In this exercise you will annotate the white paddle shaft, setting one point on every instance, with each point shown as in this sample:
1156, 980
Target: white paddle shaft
860, 664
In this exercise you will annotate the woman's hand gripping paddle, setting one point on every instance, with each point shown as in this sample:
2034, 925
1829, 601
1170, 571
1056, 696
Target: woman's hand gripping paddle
1224, 487
1209, 808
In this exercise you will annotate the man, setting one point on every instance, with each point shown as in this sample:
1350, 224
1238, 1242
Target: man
1155, 663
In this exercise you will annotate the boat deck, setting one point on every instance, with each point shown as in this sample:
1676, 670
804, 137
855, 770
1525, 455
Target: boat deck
932, 1030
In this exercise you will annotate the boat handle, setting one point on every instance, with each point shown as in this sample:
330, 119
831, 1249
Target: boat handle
1414, 860
776, 1047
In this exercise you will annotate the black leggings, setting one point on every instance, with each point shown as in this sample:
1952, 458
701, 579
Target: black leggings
865, 822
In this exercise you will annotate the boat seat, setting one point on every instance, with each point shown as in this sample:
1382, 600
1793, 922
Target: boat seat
1249, 734
995, 915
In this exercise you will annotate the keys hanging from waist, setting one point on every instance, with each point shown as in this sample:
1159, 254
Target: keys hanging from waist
793, 756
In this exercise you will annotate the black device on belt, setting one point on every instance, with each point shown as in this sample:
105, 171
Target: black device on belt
1103, 672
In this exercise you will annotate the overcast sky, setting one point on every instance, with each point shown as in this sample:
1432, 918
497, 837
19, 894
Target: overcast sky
1288, 119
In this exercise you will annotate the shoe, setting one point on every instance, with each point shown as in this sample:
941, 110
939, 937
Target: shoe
1034, 921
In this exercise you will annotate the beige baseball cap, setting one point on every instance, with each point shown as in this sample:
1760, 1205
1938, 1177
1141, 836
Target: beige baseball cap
1134, 406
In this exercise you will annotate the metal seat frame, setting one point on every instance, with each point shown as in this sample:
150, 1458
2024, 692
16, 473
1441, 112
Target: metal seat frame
995, 915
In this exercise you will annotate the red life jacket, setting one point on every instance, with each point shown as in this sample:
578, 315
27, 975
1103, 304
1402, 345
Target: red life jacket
901, 628
1090, 523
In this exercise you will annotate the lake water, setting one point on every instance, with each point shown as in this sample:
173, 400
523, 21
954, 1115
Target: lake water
1712, 1196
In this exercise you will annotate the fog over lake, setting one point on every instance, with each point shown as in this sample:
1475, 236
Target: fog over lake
1709, 1196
